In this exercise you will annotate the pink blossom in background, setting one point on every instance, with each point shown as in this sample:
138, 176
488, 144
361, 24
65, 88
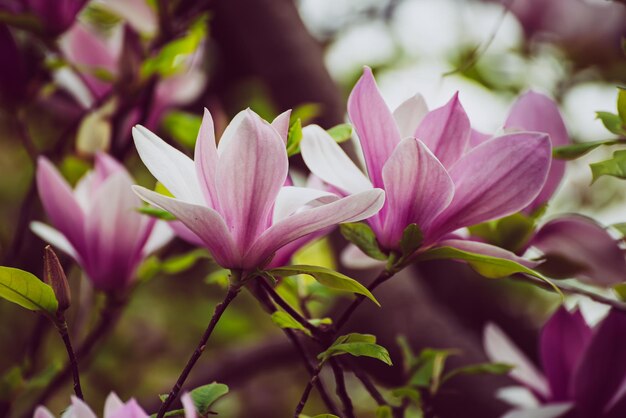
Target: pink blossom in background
424, 161
232, 197
97, 223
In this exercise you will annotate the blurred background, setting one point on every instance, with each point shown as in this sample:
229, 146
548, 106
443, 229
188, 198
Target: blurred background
76, 75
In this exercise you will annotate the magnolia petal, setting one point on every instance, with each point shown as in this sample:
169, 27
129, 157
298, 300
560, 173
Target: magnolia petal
80, 409
130, 409
352, 257
205, 222
250, 172
137, 13
59, 202
602, 368
42, 412
349, 209
499, 348
231, 131
495, 179
417, 188
564, 339
486, 249
409, 115
518, 396
188, 406
446, 131
374, 124
160, 235
185, 233
292, 198
586, 244
116, 233
168, 165
205, 159
105, 166
329, 162
281, 124
112, 404
536, 112
54, 238
548, 411
477, 138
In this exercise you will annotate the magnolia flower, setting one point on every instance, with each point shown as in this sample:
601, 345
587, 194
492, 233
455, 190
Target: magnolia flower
424, 161
583, 369
232, 197
113, 408
97, 223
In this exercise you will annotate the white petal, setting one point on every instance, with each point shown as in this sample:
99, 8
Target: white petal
409, 115
518, 396
548, 411
230, 131
161, 234
326, 160
54, 238
292, 198
500, 348
42, 412
171, 167
112, 404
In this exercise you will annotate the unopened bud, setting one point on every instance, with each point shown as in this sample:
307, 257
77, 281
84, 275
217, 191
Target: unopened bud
54, 276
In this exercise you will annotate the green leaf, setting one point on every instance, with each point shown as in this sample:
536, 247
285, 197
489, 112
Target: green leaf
181, 262
573, 151
284, 320
357, 345
170, 59
219, 277
408, 393
361, 235
488, 266
205, 396
481, 368
306, 112
412, 239
615, 167
341, 133
328, 278
183, 127
10, 383
511, 232
429, 368
156, 213
621, 105
23, 288
620, 290
325, 416
73, 168
384, 411
612, 122
294, 137
320, 321
621, 228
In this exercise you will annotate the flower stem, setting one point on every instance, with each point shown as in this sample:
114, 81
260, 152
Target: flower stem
307, 390
233, 290
61, 325
340, 388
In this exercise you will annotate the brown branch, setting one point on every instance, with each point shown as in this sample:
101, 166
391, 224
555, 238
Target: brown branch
73, 362
340, 388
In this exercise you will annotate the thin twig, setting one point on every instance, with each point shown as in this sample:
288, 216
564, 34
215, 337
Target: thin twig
287, 307
571, 290
307, 390
259, 293
233, 291
340, 388
73, 362
382, 278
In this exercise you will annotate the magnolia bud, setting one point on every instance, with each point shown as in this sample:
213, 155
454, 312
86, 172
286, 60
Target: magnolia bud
54, 276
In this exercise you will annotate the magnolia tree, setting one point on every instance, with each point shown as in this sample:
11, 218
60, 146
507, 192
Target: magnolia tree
420, 184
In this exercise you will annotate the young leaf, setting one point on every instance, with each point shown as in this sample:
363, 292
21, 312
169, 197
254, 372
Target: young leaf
357, 345
412, 239
615, 166
511, 232
328, 278
408, 393
384, 411
361, 235
294, 137
429, 368
156, 213
205, 396
23, 288
482, 368
181, 262
341, 133
182, 127
612, 122
284, 320
621, 105
573, 151
488, 266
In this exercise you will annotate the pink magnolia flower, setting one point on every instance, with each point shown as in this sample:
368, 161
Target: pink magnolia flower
583, 369
97, 223
113, 408
427, 167
232, 197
